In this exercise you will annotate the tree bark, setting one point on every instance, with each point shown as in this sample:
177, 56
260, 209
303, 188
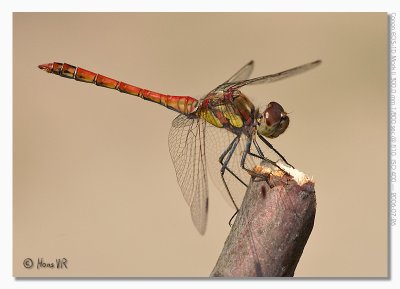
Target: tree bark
272, 226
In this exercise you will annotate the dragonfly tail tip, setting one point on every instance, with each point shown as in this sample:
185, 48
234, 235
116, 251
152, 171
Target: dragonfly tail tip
46, 67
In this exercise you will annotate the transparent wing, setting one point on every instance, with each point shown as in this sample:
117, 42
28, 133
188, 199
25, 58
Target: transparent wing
217, 141
243, 74
272, 77
186, 142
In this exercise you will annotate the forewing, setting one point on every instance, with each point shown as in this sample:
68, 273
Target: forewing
187, 148
243, 74
274, 77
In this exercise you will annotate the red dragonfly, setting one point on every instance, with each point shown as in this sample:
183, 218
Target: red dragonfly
225, 123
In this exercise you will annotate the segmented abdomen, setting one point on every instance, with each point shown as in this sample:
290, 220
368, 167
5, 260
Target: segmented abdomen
182, 104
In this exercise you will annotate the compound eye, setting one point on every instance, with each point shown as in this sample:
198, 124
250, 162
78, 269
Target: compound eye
274, 113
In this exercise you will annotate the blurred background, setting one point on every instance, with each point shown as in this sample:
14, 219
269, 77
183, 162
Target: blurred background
93, 178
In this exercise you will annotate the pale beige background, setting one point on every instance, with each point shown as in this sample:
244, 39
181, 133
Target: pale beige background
93, 179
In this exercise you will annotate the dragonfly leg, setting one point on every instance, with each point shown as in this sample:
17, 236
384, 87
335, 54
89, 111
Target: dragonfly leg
232, 218
225, 161
261, 154
226, 151
244, 156
272, 148
221, 161
266, 160
259, 151
239, 179
253, 174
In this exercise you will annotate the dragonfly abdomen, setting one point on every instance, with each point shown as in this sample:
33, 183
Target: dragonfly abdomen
182, 104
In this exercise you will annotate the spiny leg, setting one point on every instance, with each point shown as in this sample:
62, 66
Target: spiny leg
266, 160
244, 156
261, 155
230, 149
221, 161
239, 179
252, 173
272, 148
228, 154
225, 164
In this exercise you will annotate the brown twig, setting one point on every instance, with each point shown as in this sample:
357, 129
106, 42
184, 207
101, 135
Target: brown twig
271, 228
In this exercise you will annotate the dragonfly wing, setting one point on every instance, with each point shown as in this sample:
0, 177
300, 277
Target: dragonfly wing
187, 148
273, 77
217, 141
243, 74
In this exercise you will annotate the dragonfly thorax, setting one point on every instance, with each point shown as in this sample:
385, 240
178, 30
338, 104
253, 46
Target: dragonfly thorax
232, 111
273, 121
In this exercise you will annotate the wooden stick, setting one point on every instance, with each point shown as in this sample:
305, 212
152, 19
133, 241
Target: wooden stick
272, 226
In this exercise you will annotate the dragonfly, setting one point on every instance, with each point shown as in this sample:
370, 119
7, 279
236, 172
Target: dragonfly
218, 131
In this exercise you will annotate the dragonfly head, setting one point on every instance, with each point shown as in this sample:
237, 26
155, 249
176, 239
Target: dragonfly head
273, 121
